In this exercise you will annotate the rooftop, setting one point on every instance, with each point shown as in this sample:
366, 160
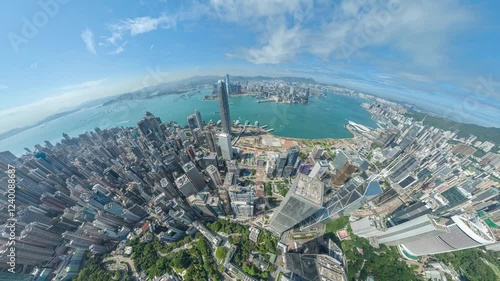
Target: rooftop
310, 189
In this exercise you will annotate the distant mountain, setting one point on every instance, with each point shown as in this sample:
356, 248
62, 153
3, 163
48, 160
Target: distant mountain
16, 131
491, 134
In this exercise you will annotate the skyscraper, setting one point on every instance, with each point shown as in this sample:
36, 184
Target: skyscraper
191, 122
185, 186
462, 233
319, 169
422, 227
304, 198
293, 155
199, 121
214, 175
194, 175
228, 85
225, 146
224, 107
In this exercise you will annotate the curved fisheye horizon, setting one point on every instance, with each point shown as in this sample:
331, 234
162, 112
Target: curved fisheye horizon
330, 140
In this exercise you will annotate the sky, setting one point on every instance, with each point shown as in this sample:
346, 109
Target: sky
439, 55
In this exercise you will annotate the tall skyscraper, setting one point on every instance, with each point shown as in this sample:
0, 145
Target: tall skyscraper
185, 186
320, 261
191, 122
419, 228
462, 233
214, 175
228, 85
293, 155
350, 197
199, 121
319, 169
224, 107
225, 146
304, 198
194, 175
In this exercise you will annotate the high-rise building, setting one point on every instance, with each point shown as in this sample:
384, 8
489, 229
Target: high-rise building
316, 152
280, 164
463, 232
293, 155
228, 85
224, 107
214, 174
319, 169
199, 201
185, 186
304, 198
317, 262
194, 175
419, 228
191, 122
225, 146
343, 174
348, 198
209, 136
199, 121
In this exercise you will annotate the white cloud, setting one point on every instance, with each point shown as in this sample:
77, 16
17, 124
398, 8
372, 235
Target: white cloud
3, 87
88, 38
419, 30
133, 27
282, 44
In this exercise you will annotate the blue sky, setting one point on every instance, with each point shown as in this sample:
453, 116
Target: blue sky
440, 55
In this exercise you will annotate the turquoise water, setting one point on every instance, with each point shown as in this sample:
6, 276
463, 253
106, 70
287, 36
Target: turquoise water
322, 118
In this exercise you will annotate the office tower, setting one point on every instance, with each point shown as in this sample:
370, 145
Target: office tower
463, 232
240, 193
316, 152
168, 188
210, 140
232, 167
288, 171
343, 174
242, 201
225, 146
199, 202
280, 164
317, 262
185, 186
199, 121
194, 175
340, 160
348, 198
409, 213
214, 175
386, 138
304, 198
191, 122
293, 155
404, 168
319, 169
214, 203
7, 157
228, 85
419, 228
224, 107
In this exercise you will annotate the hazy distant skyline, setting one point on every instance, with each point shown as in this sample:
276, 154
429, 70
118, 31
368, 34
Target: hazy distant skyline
440, 55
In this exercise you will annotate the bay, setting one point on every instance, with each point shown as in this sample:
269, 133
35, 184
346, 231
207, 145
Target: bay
323, 117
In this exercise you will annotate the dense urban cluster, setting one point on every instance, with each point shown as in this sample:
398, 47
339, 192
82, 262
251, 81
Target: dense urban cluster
226, 201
